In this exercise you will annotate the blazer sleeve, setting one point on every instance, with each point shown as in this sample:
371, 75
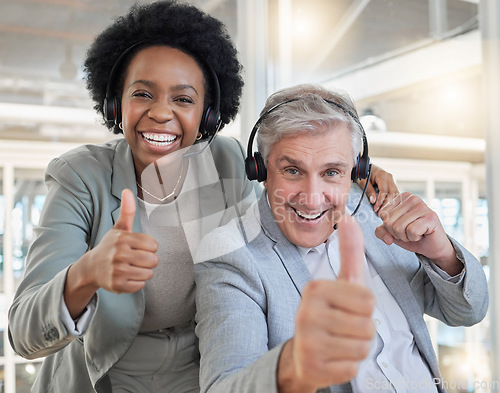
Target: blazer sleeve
231, 322
61, 237
463, 303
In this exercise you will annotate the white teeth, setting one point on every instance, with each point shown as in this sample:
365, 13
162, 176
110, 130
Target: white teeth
308, 216
158, 139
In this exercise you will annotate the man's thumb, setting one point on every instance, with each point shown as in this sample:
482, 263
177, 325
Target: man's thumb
127, 211
352, 250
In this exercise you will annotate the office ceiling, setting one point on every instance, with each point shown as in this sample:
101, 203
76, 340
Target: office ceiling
43, 43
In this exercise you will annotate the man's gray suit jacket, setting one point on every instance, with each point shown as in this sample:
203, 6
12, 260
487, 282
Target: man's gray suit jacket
249, 280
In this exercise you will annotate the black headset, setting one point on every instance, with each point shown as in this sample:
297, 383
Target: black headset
210, 122
254, 163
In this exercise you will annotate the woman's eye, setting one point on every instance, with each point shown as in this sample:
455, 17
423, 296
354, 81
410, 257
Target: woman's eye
141, 94
185, 99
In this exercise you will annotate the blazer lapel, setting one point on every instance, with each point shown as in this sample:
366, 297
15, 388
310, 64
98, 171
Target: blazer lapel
395, 278
124, 177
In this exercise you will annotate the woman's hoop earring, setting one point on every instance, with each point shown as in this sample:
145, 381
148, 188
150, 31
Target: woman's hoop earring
120, 126
199, 136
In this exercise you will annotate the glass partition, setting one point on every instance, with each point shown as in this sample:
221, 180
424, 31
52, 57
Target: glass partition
463, 352
25, 376
29, 196
22, 194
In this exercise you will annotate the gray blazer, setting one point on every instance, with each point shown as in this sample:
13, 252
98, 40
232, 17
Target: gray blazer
82, 204
249, 280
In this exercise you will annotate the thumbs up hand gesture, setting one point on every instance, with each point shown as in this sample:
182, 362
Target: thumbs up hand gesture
123, 261
352, 251
333, 323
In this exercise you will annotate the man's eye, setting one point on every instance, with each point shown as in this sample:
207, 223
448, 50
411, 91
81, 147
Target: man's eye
331, 172
292, 171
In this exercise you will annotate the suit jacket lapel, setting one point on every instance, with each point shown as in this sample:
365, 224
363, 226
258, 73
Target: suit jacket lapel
124, 177
386, 263
392, 275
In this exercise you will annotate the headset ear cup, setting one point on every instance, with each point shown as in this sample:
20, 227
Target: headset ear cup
118, 111
261, 167
360, 170
355, 170
251, 168
210, 122
255, 168
112, 110
108, 110
364, 167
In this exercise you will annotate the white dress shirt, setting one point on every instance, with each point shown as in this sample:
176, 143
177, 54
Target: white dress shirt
76, 327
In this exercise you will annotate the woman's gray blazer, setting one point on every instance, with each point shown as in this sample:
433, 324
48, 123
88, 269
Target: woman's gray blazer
82, 204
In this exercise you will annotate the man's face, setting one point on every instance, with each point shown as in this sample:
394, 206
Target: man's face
308, 182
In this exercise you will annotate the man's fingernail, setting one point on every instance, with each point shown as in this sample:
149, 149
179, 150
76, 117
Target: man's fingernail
372, 199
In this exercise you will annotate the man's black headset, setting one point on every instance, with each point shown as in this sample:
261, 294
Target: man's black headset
210, 122
256, 168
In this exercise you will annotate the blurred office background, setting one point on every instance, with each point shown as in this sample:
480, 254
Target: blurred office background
425, 76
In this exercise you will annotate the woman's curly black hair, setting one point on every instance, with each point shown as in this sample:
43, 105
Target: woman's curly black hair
174, 24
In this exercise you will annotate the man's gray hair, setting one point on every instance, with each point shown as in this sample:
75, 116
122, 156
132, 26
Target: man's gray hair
308, 112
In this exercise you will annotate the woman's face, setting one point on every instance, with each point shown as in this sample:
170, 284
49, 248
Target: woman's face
162, 103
